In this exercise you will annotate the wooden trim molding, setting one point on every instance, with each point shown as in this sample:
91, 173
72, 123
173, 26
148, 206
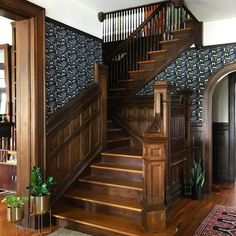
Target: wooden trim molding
207, 120
32, 145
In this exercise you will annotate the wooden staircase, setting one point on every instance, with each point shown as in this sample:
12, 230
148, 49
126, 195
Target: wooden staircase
157, 61
108, 200
110, 197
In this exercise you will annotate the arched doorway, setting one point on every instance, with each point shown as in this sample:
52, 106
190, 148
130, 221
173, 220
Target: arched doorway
207, 120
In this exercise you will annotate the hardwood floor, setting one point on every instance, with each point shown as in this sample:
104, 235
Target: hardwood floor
185, 214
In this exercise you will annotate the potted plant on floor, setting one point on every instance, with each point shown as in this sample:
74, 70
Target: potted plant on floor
15, 207
198, 179
40, 191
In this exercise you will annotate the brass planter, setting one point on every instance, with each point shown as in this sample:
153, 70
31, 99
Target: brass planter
15, 214
40, 205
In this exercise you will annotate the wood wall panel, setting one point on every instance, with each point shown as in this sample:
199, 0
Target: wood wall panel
73, 137
138, 114
178, 150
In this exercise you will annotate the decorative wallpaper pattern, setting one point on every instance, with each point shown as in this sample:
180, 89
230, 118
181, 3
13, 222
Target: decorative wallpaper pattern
192, 69
70, 58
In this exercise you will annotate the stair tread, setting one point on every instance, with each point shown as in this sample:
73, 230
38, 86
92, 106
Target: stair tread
113, 182
115, 224
158, 51
113, 129
117, 89
146, 62
109, 200
180, 30
118, 153
119, 166
169, 41
139, 71
116, 139
128, 151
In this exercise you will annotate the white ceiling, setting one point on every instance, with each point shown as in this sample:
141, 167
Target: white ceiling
204, 10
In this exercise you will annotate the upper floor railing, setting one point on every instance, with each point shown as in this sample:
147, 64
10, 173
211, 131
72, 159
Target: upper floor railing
137, 31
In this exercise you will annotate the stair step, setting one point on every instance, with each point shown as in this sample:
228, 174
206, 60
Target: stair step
182, 33
105, 181
129, 83
149, 65
139, 74
170, 44
118, 171
107, 200
80, 219
113, 133
122, 158
161, 55
118, 167
118, 142
110, 186
117, 92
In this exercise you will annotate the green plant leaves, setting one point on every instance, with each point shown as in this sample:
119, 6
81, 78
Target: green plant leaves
198, 174
37, 186
12, 201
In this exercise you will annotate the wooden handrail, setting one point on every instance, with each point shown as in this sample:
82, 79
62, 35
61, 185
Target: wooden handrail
75, 133
156, 27
121, 45
131, 8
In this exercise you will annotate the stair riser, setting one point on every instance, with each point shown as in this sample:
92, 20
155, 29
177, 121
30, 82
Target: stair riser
117, 174
171, 46
182, 34
117, 93
149, 66
161, 58
110, 190
139, 75
127, 160
119, 143
88, 229
105, 209
129, 84
115, 134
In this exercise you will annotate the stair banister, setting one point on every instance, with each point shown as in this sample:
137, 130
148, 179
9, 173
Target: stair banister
155, 146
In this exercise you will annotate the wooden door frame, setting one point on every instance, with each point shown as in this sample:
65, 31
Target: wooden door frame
232, 131
207, 120
35, 155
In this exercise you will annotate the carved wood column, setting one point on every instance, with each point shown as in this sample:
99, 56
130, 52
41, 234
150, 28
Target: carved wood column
155, 156
154, 214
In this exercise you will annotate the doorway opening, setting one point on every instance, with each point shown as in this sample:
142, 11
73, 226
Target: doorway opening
207, 133
30, 103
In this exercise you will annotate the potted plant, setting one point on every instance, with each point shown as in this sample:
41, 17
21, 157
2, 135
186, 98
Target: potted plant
198, 179
40, 191
15, 207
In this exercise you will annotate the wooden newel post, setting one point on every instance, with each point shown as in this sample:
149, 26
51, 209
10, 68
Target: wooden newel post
155, 155
101, 78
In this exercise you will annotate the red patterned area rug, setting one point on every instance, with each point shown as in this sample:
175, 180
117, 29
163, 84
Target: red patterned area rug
220, 221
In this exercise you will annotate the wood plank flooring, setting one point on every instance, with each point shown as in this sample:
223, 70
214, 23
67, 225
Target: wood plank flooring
185, 214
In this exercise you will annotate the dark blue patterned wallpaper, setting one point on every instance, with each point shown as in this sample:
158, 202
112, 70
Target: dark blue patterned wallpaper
70, 58
192, 69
